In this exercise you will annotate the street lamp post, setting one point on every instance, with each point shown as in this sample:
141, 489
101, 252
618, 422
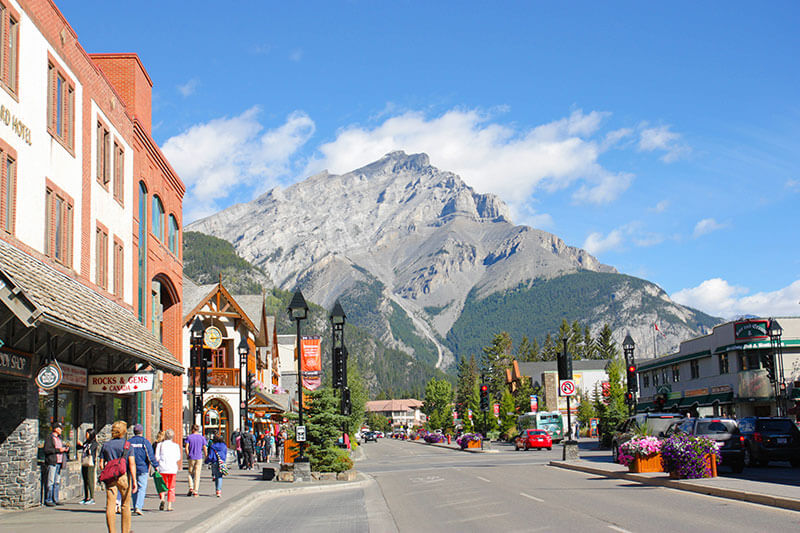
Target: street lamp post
339, 361
630, 365
244, 351
195, 360
298, 310
775, 333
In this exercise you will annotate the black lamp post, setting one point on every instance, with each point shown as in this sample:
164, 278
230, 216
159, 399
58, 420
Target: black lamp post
195, 361
339, 361
244, 351
775, 333
630, 365
298, 310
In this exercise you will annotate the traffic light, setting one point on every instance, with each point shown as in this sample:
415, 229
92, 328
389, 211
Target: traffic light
768, 363
338, 367
629, 398
606, 392
564, 365
633, 385
346, 406
205, 367
484, 389
251, 384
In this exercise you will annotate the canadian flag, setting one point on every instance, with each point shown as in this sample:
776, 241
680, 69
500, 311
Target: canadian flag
658, 330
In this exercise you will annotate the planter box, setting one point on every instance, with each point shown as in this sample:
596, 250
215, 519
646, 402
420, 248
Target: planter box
474, 444
651, 463
710, 471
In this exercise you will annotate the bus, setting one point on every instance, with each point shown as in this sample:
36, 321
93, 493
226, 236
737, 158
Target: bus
552, 421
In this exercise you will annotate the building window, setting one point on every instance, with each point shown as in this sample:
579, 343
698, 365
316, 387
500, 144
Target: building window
119, 172
173, 234
158, 218
695, 368
119, 269
676, 373
655, 378
9, 52
60, 106
645, 380
103, 155
58, 227
157, 311
723, 363
101, 248
8, 190
664, 376
142, 259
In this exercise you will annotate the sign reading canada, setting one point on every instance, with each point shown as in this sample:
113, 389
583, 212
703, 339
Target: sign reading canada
120, 383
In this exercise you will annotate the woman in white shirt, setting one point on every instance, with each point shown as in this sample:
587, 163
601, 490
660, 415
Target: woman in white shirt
170, 461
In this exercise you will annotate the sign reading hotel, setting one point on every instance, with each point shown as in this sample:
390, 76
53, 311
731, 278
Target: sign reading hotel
751, 329
121, 383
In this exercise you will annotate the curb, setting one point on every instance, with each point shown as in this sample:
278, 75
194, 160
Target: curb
214, 521
720, 492
449, 447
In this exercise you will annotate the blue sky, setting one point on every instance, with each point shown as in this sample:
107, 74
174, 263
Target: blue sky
664, 138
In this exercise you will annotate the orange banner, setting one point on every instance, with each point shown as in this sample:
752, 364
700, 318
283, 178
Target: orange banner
311, 362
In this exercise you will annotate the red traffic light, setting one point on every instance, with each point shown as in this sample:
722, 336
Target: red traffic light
631, 369
484, 388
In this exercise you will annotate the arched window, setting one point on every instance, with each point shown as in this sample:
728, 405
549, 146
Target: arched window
216, 420
173, 234
142, 259
158, 218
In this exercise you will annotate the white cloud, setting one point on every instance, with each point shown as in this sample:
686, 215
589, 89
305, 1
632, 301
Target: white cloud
706, 226
221, 156
719, 298
661, 139
660, 207
793, 185
188, 88
510, 162
596, 243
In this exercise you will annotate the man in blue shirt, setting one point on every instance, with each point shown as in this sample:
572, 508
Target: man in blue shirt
142, 451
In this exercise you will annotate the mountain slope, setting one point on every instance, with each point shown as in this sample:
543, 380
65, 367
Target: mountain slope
408, 246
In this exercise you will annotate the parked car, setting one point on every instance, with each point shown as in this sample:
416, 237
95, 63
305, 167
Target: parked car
656, 424
533, 438
370, 436
770, 439
379, 434
725, 431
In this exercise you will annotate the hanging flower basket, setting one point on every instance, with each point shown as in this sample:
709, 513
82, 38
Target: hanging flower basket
641, 454
687, 457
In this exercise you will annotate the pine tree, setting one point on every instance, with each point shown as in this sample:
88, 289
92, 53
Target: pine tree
508, 416
496, 359
465, 383
438, 395
549, 350
589, 347
324, 427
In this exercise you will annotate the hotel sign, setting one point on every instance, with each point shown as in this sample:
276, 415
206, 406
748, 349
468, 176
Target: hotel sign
751, 329
23, 131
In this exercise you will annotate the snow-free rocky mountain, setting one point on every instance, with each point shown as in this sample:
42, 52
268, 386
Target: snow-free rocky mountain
426, 263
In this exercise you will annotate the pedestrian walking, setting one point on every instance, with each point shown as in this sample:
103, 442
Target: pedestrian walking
237, 439
248, 449
144, 455
271, 444
125, 484
156, 444
170, 461
55, 456
196, 451
217, 456
88, 465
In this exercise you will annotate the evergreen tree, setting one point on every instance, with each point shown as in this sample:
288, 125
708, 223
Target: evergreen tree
586, 409
526, 351
496, 359
615, 411
549, 350
576, 342
605, 345
508, 416
324, 427
522, 396
589, 347
465, 383
438, 395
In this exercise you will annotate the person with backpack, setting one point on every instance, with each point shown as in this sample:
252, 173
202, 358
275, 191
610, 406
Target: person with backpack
145, 458
118, 471
217, 457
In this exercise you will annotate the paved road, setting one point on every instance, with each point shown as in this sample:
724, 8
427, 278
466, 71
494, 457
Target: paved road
422, 488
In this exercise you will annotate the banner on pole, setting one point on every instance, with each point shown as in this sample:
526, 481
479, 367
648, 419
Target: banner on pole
496, 408
311, 362
534, 403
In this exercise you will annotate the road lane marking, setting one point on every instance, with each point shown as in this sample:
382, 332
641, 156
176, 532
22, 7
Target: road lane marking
615, 528
531, 497
484, 479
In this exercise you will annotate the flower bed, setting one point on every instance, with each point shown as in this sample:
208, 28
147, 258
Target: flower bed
469, 440
641, 454
433, 438
686, 457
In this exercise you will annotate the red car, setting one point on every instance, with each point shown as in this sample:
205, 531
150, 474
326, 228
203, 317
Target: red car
534, 438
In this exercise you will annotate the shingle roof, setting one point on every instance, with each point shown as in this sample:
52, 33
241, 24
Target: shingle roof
392, 405
194, 293
64, 303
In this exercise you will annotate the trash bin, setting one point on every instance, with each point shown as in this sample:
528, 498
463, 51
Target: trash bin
268, 473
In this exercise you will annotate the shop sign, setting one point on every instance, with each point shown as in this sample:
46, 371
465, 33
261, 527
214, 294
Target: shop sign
49, 376
15, 364
721, 388
751, 329
695, 392
121, 383
74, 375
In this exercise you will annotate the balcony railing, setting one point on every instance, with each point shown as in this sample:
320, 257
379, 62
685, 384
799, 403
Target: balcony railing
219, 377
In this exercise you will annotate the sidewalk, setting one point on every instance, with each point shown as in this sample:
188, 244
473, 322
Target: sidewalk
454, 446
239, 489
761, 492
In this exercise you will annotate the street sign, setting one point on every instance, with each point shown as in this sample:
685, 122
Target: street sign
301, 433
566, 388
